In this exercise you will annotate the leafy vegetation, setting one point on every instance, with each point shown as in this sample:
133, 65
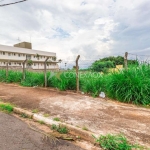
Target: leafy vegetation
115, 142
104, 64
6, 107
60, 129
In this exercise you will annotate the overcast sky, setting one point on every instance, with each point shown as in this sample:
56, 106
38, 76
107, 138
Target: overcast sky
91, 28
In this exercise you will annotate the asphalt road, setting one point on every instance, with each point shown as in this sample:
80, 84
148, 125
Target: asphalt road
16, 135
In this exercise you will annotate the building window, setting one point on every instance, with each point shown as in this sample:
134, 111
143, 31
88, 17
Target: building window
34, 64
3, 53
9, 54
14, 54
4, 63
19, 55
9, 63
41, 64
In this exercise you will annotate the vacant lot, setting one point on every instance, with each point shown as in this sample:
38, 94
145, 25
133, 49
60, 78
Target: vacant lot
98, 115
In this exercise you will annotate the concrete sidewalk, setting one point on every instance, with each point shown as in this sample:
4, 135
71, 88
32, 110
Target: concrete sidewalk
16, 135
95, 114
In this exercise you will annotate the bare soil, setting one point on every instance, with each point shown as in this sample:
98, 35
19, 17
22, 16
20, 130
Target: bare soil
100, 116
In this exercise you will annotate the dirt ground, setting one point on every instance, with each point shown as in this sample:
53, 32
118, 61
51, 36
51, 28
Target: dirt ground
16, 135
100, 116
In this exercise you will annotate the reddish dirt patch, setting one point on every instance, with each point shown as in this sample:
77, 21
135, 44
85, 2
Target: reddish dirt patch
98, 115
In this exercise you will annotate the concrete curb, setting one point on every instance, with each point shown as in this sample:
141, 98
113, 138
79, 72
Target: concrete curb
86, 135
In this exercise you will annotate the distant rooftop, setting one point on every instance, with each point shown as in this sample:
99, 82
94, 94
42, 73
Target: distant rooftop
24, 45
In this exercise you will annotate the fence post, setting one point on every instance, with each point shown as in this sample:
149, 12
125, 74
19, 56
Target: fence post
77, 70
24, 69
126, 60
45, 75
6, 69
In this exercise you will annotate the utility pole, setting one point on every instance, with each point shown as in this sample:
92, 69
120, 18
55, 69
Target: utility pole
77, 73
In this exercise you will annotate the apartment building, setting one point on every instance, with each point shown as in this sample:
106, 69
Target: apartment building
15, 55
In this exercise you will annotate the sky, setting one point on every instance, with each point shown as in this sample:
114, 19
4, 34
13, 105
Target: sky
89, 28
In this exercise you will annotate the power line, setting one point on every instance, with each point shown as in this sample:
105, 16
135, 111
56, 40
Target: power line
139, 55
12, 3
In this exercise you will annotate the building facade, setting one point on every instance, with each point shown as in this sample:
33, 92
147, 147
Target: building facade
22, 52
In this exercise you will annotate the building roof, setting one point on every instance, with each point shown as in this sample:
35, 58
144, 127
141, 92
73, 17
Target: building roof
25, 51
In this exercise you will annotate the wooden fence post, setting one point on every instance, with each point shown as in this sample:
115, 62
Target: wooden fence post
126, 60
45, 75
6, 69
24, 76
77, 73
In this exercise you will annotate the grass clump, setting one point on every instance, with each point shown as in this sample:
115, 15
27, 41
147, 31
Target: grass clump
85, 128
60, 129
23, 115
46, 115
56, 119
35, 111
41, 122
115, 142
6, 107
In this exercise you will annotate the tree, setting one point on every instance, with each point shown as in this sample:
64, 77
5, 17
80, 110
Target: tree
102, 66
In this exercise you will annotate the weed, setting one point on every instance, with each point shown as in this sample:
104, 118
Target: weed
85, 128
60, 129
6, 107
41, 122
56, 119
35, 111
24, 115
54, 127
46, 115
115, 142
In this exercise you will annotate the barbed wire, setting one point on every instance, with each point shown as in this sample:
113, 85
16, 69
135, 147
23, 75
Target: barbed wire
12, 3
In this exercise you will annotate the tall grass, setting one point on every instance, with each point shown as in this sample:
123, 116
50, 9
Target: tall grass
63, 81
92, 83
130, 86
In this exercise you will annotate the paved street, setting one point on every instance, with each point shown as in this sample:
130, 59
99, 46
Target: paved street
16, 135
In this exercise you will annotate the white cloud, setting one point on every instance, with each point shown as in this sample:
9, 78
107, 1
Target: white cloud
86, 27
